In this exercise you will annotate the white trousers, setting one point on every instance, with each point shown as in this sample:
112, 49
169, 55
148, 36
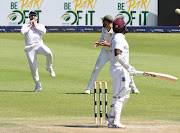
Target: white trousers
103, 58
121, 79
32, 59
121, 92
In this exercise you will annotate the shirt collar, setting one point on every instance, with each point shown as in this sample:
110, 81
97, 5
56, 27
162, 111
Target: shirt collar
120, 34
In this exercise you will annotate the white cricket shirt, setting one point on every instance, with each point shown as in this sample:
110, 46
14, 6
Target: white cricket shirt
108, 35
119, 42
33, 35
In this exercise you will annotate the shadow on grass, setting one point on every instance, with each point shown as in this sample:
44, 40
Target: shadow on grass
81, 126
76, 93
14, 91
176, 95
38, 92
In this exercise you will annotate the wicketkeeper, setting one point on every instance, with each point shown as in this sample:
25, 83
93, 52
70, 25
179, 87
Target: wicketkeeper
34, 45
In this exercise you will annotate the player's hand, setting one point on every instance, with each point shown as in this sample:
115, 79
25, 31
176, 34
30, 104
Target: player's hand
104, 43
35, 23
96, 44
132, 71
32, 22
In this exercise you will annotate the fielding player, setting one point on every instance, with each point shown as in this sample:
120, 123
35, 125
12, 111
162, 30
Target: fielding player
34, 45
104, 57
120, 71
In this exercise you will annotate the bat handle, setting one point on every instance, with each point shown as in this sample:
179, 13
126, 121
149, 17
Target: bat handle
140, 72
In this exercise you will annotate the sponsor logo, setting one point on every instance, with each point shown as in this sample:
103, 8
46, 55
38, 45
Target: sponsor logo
148, 74
131, 14
83, 12
20, 11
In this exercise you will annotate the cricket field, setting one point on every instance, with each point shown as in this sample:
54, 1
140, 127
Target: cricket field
61, 106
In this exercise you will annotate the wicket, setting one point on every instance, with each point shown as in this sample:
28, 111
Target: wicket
100, 99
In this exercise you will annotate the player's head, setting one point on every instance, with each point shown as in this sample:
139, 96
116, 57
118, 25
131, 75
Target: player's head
33, 15
107, 20
119, 26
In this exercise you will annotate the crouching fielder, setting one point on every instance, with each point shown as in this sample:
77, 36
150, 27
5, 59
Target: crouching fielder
34, 45
120, 71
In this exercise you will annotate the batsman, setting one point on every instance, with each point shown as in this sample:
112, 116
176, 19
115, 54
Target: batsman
120, 71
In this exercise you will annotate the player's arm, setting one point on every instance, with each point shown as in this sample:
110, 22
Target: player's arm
104, 43
124, 63
120, 59
25, 28
40, 28
96, 44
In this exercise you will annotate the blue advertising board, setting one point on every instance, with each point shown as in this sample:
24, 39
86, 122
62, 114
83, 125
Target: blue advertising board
96, 29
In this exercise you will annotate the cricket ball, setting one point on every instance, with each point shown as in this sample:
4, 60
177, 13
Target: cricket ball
177, 11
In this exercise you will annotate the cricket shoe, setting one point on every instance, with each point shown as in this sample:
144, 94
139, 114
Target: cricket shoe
110, 121
118, 126
52, 73
135, 91
87, 92
111, 125
37, 89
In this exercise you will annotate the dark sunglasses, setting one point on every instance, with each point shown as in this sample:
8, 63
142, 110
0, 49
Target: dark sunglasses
32, 15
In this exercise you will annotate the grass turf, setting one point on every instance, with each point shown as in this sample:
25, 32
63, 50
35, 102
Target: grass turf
74, 60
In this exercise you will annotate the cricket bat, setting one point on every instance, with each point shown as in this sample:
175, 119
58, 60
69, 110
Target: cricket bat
158, 75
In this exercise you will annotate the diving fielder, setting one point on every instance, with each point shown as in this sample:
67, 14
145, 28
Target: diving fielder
120, 71
34, 45
104, 57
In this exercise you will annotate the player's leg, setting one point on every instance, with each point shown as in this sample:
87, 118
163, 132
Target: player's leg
133, 86
121, 97
115, 74
32, 59
44, 50
121, 93
103, 58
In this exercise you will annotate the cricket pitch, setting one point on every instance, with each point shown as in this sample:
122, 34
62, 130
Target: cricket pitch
85, 126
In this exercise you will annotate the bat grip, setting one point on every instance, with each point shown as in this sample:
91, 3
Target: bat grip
139, 72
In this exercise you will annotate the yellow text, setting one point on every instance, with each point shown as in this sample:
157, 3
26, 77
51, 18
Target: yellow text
138, 4
79, 4
30, 3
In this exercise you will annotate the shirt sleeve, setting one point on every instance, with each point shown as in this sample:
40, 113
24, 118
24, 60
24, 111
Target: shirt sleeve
119, 45
24, 29
41, 28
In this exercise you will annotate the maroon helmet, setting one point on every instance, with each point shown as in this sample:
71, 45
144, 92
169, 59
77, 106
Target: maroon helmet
119, 25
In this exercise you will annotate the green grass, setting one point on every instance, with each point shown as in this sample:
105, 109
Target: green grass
74, 60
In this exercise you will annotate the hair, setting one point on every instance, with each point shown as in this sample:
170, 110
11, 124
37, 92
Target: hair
120, 30
32, 13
